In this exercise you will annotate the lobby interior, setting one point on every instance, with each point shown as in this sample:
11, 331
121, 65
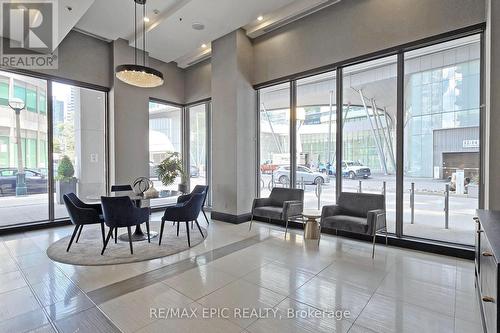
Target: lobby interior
236, 103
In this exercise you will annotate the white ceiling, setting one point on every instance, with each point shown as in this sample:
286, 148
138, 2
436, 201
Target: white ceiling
170, 34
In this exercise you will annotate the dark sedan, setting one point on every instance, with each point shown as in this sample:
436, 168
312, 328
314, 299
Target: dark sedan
36, 182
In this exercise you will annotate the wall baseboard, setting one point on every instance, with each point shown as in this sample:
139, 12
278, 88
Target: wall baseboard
230, 218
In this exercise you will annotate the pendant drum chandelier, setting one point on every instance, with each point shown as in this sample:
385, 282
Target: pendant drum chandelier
135, 74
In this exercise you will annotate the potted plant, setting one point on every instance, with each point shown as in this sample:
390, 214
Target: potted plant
66, 182
171, 168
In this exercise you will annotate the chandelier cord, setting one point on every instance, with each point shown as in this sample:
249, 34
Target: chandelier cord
135, 33
144, 34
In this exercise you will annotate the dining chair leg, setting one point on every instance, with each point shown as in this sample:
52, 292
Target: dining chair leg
187, 231
72, 237
161, 230
116, 235
79, 233
206, 218
178, 224
147, 229
199, 228
130, 239
103, 233
110, 233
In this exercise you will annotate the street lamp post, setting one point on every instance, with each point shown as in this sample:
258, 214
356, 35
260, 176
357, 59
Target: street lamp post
17, 105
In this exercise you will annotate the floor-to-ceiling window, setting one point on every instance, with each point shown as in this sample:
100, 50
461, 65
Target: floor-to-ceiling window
22, 204
274, 113
441, 140
165, 142
198, 144
316, 137
432, 93
79, 140
77, 147
368, 131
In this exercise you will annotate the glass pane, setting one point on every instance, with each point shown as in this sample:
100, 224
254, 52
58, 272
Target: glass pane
4, 92
442, 151
274, 138
316, 134
369, 131
165, 129
198, 145
79, 144
29, 203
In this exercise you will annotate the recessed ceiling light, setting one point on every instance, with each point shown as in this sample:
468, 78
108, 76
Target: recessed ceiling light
260, 18
203, 45
146, 19
198, 26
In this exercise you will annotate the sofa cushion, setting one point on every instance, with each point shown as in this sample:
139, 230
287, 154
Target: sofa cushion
280, 194
353, 224
359, 204
270, 212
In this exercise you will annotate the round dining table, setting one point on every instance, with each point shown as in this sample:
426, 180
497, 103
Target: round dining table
139, 200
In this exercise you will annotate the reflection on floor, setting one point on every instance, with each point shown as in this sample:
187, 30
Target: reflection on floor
296, 285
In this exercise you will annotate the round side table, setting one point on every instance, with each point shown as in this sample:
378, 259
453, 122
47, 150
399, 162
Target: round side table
312, 229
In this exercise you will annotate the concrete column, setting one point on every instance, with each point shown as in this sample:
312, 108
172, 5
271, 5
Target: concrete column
89, 142
234, 127
492, 121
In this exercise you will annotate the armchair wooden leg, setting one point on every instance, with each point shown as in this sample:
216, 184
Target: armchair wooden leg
192, 225
116, 235
286, 227
178, 224
385, 236
161, 230
110, 233
79, 233
251, 221
199, 228
130, 240
147, 230
187, 231
373, 250
103, 233
72, 237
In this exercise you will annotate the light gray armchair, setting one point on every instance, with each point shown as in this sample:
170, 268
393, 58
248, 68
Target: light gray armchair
282, 204
360, 213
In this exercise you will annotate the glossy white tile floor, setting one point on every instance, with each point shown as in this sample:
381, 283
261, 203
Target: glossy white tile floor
398, 291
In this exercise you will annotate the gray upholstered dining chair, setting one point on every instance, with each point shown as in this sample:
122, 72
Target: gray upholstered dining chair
282, 204
360, 213
82, 214
120, 212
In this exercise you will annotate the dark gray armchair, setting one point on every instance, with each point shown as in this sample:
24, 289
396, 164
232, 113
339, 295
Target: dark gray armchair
282, 204
360, 213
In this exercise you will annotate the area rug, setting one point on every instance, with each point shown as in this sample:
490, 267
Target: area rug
87, 252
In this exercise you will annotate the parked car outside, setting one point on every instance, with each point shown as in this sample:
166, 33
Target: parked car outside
355, 169
282, 175
268, 168
327, 168
36, 182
